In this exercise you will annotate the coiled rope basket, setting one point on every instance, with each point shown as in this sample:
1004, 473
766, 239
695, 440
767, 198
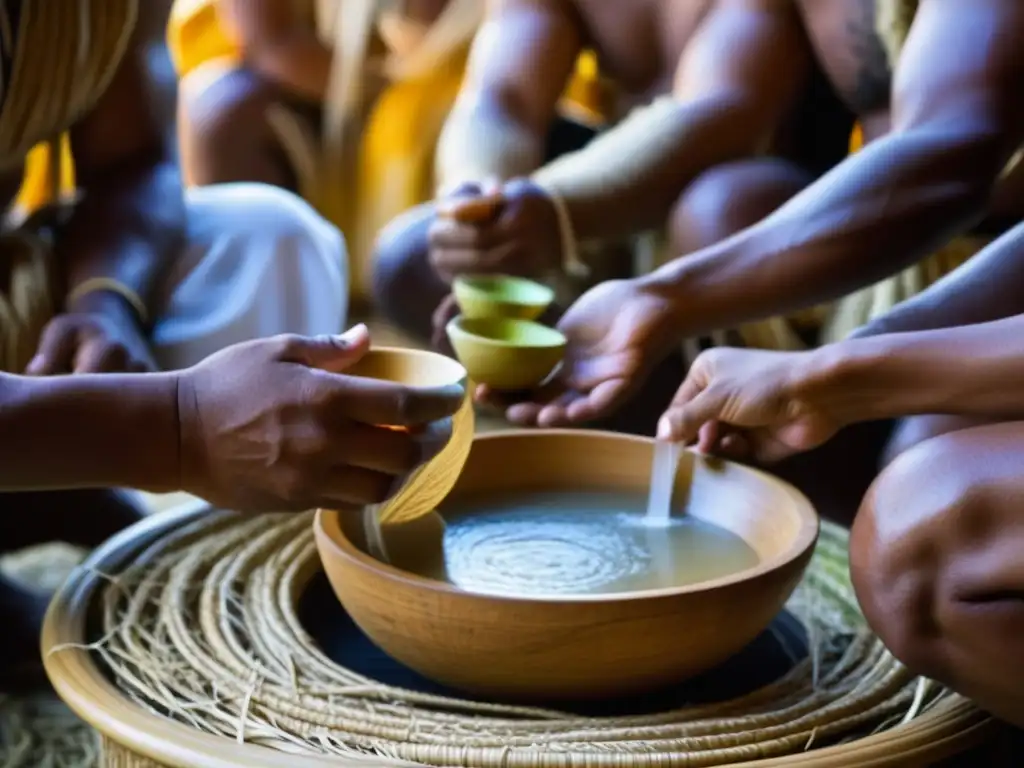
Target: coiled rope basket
197, 656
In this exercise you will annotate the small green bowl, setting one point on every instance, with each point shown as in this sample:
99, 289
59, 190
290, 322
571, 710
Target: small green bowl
506, 353
501, 296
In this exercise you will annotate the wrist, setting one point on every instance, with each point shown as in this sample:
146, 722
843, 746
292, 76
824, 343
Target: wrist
851, 381
668, 286
189, 446
161, 389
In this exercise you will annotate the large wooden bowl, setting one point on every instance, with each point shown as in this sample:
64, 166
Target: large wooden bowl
586, 646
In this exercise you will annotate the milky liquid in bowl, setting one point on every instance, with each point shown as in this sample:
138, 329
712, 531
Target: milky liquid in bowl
559, 543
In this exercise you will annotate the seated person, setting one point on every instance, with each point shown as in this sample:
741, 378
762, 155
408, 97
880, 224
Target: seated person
936, 544
707, 91
260, 101
937, 158
129, 274
265, 426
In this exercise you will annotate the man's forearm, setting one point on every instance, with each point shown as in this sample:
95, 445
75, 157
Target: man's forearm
881, 210
89, 431
127, 227
986, 288
482, 141
628, 179
972, 370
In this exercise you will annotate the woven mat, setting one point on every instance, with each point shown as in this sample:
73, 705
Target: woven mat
40, 732
203, 628
37, 730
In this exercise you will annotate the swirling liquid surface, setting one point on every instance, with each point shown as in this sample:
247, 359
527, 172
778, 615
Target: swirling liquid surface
578, 543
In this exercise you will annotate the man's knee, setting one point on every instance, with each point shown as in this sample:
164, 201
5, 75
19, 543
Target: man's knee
928, 566
405, 287
731, 197
895, 556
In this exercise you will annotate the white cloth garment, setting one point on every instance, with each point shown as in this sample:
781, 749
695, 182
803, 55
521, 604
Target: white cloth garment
257, 261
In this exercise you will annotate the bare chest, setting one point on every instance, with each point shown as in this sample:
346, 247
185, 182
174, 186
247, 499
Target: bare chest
640, 48
851, 53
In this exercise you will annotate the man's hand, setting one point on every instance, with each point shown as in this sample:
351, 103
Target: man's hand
511, 229
88, 340
618, 332
275, 425
752, 404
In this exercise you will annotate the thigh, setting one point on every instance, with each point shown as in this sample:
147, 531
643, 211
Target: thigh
258, 261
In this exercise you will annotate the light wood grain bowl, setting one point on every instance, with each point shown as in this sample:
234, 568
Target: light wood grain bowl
592, 645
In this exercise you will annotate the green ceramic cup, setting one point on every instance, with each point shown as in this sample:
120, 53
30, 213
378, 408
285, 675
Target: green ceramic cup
501, 296
506, 353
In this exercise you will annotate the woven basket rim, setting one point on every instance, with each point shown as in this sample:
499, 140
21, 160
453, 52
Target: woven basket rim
951, 727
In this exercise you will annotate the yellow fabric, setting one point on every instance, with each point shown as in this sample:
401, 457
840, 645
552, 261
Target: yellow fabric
893, 19
589, 97
36, 189
856, 139
396, 163
195, 36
